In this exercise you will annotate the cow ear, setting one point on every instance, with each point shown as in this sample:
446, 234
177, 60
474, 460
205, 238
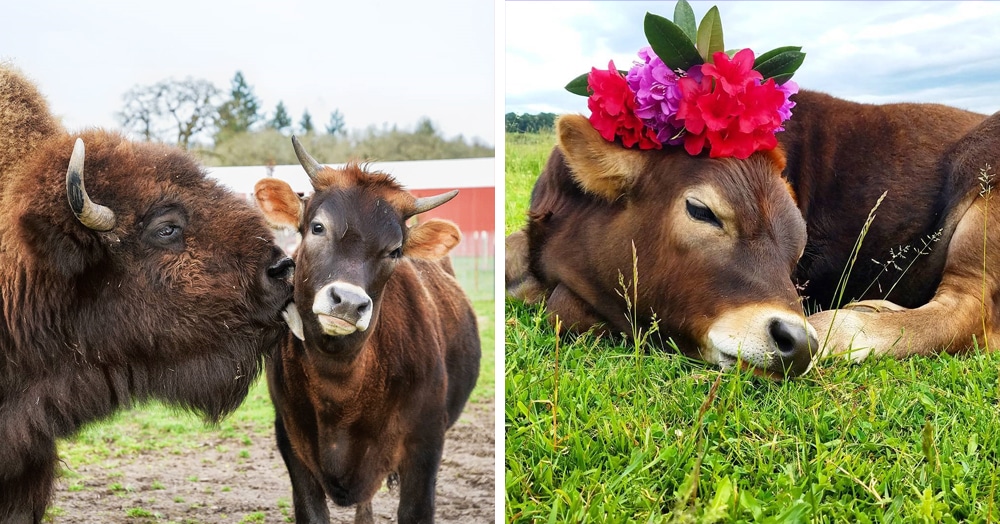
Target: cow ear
600, 167
432, 239
280, 205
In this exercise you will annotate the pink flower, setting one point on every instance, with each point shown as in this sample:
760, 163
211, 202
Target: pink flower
729, 109
612, 106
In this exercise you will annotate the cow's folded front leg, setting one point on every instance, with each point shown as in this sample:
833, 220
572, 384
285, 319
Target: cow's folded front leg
519, 281
573, 312
962, 314
874, 306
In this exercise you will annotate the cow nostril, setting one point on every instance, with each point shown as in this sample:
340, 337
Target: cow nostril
281, 268
789, 338
350, 301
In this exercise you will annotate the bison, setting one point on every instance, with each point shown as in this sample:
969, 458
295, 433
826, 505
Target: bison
384, 351
150, 281
727, 249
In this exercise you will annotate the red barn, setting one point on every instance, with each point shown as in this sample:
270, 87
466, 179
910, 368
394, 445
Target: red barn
472, 209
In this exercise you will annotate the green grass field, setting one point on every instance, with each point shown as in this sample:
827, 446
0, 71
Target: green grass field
600, 431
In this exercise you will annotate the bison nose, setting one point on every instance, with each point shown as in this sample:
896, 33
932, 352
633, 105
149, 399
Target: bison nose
351, 303
795, 345
281, 269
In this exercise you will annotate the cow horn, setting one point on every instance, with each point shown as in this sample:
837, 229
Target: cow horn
94, 216
428, 203
309, 163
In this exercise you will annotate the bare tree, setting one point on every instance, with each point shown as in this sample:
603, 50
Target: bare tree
171, 110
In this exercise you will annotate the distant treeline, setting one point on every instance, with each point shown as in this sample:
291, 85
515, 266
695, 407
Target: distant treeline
225, 129
528, 123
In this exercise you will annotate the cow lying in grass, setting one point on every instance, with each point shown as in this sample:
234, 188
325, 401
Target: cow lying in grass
386, 349
725, 248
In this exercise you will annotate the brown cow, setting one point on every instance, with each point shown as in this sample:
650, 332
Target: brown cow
386, 349
151, 282
720, 243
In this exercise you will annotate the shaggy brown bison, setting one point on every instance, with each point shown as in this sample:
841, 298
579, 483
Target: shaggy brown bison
386, 349
722, 245
141, 280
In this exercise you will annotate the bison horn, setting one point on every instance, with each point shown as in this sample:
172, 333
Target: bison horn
428, 203
94, 216
309, 163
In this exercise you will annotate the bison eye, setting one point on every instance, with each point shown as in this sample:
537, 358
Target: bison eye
702, 213
168, 232
317, 228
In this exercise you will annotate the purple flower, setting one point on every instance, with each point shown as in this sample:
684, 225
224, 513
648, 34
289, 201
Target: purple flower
788, 89
657, 96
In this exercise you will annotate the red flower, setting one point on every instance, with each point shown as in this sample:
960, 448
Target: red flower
612, 106
730, 108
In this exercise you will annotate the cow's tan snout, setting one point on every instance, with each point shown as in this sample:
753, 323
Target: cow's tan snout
771, 341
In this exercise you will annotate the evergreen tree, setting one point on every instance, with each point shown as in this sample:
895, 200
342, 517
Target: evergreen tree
306, 124
281, 120
336, 125
239, 112
425, 127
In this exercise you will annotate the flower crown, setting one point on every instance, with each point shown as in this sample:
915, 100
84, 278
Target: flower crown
696, 95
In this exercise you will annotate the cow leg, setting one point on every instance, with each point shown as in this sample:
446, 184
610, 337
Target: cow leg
417, 479
874, 306
519, 281
363, 514
308, 496
964, 306
573, 313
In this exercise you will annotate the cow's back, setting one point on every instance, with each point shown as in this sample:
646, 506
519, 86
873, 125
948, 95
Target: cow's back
842, 156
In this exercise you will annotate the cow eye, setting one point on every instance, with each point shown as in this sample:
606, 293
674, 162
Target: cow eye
702, 213
396, 253
317, 228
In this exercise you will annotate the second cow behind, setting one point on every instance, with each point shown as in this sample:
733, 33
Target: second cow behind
385, 350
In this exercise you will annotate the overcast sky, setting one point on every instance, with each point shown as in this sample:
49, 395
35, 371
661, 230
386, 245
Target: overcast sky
945, 52
376, 61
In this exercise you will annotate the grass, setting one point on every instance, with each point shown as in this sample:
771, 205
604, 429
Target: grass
598, 430
531, 150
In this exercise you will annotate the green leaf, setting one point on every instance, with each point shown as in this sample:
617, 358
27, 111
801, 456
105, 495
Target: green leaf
927, 444
578, 86
684, 18
773, 53
670, 43
781, 79
780, 66
710, 34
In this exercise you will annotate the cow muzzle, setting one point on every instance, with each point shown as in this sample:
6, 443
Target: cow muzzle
342, 309
769, 341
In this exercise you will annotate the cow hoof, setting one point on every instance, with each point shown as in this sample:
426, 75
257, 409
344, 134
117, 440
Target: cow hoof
843, 333
874, 306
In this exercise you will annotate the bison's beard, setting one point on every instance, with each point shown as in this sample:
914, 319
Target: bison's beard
216, 383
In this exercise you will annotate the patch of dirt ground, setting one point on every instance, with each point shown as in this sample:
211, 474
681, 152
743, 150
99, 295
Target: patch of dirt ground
230, 480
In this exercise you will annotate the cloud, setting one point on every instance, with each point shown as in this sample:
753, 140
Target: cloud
941, 52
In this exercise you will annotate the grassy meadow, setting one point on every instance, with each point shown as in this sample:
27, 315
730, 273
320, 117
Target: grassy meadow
599, 430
